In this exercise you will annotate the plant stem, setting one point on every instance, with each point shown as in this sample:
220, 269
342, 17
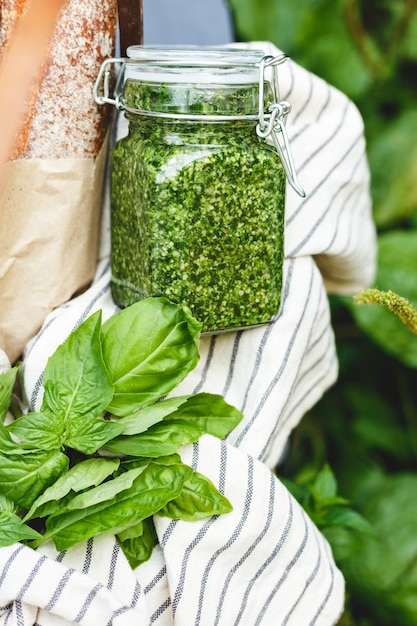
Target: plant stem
392, 301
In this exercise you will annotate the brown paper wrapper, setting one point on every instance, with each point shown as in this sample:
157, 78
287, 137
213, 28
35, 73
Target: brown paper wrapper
49, 235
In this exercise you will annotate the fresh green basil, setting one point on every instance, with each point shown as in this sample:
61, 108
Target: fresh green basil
12, 529
146, 417
40, 431
138, 547
160, 439
208, 412
24, 477
148, 352
100, 456
80, 477
7, 505
75, 379
7, 382
199, 414
198, 499
149, 492
133, 532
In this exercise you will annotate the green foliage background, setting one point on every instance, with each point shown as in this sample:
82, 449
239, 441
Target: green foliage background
365, 428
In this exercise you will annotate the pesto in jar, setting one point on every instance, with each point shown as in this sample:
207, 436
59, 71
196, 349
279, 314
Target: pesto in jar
197, 207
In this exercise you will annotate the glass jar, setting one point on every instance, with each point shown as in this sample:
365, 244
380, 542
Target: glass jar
197, 195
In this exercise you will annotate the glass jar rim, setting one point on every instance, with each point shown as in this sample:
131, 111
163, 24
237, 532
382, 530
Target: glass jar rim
195, 56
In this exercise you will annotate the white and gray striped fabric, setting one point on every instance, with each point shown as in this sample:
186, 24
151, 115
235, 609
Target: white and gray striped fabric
265, 563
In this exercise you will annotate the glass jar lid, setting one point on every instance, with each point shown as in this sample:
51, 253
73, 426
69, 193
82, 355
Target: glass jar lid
193, 64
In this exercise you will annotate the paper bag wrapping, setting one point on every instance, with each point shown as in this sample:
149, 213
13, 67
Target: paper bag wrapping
51, 188
49, 232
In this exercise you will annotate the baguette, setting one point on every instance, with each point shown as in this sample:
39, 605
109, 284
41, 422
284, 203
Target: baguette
11, 11
25, 35
62, 120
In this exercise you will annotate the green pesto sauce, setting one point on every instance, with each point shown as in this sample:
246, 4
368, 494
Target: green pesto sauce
198, 216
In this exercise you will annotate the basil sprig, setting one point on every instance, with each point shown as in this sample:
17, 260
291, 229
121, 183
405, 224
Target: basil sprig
100, 456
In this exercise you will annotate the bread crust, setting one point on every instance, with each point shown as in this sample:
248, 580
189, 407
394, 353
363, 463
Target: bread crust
62, 120
10, 12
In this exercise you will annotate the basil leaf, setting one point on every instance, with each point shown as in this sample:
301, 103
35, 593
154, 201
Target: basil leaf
171, 459
7, 505
147, 416
198, 499
133, 532
39, 430
161, 439
209, 412
45, 431
81, 476
149, 347
199, 414
93, 500
12, 530
7, 381
23, 478
6, 442
105, 492
75, 379
150, 491
134, 463
138, 549
88, 435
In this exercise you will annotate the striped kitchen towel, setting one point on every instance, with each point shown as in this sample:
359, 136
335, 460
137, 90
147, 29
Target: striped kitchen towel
264, 564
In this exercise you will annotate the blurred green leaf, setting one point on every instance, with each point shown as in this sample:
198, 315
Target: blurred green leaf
324, 487
314, 34
331, 513
344, 543
384, 574
409, 42
348, 518
393, 159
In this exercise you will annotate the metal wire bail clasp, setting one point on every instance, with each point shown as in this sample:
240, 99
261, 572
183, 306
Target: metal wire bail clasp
103, 92
273, 125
